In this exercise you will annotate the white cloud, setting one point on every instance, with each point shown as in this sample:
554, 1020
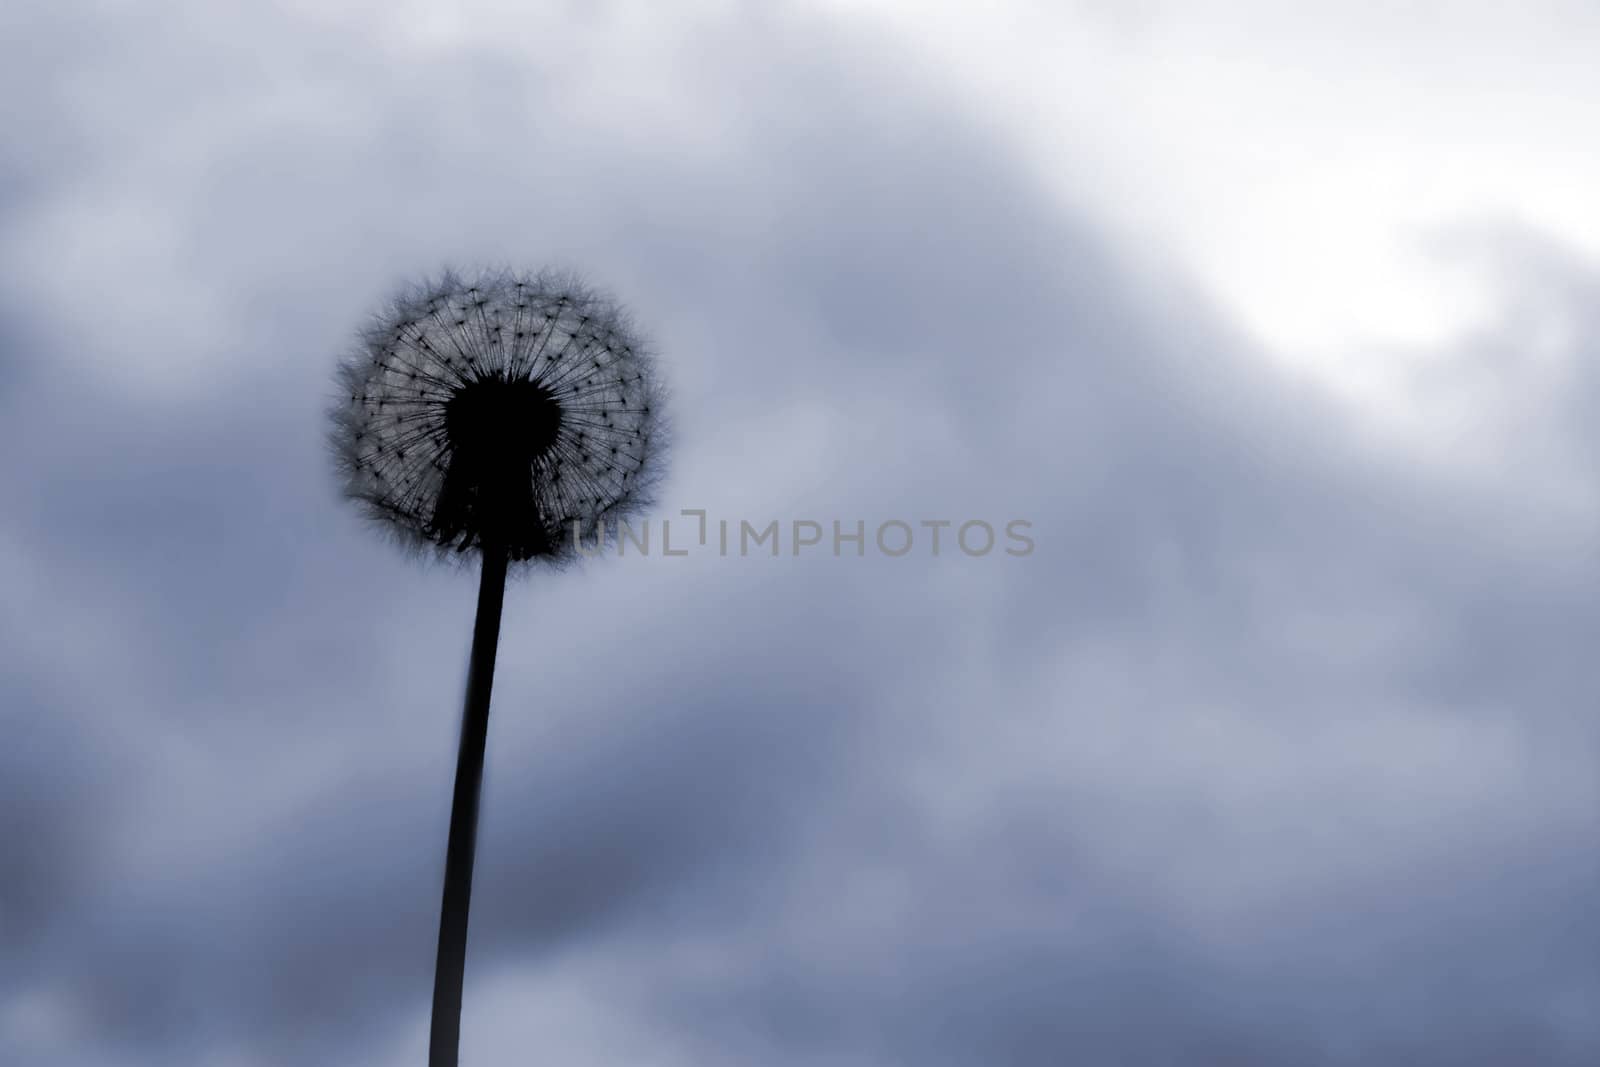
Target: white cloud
1296, 158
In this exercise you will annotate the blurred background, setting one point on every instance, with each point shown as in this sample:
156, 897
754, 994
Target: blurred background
1280, 324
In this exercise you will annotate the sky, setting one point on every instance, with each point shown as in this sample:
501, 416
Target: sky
1279, 325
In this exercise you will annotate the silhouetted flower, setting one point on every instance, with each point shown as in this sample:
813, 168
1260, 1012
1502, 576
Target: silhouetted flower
510, 414
511, 409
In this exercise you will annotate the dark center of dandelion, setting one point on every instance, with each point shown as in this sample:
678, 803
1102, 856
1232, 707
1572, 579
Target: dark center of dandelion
496, 430
500, 421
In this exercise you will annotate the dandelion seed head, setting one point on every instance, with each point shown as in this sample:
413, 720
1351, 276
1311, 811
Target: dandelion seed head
503, 408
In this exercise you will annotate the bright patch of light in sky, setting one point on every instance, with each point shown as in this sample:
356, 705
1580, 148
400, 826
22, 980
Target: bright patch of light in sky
1299, 163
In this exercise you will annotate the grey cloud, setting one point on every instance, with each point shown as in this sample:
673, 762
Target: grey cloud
1277, 750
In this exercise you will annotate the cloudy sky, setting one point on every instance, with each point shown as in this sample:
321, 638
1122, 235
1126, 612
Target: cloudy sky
1279, 323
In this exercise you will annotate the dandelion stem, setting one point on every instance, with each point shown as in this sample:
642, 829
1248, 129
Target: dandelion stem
449, 973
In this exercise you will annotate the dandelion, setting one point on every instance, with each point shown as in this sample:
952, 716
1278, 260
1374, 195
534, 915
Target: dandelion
505, 415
